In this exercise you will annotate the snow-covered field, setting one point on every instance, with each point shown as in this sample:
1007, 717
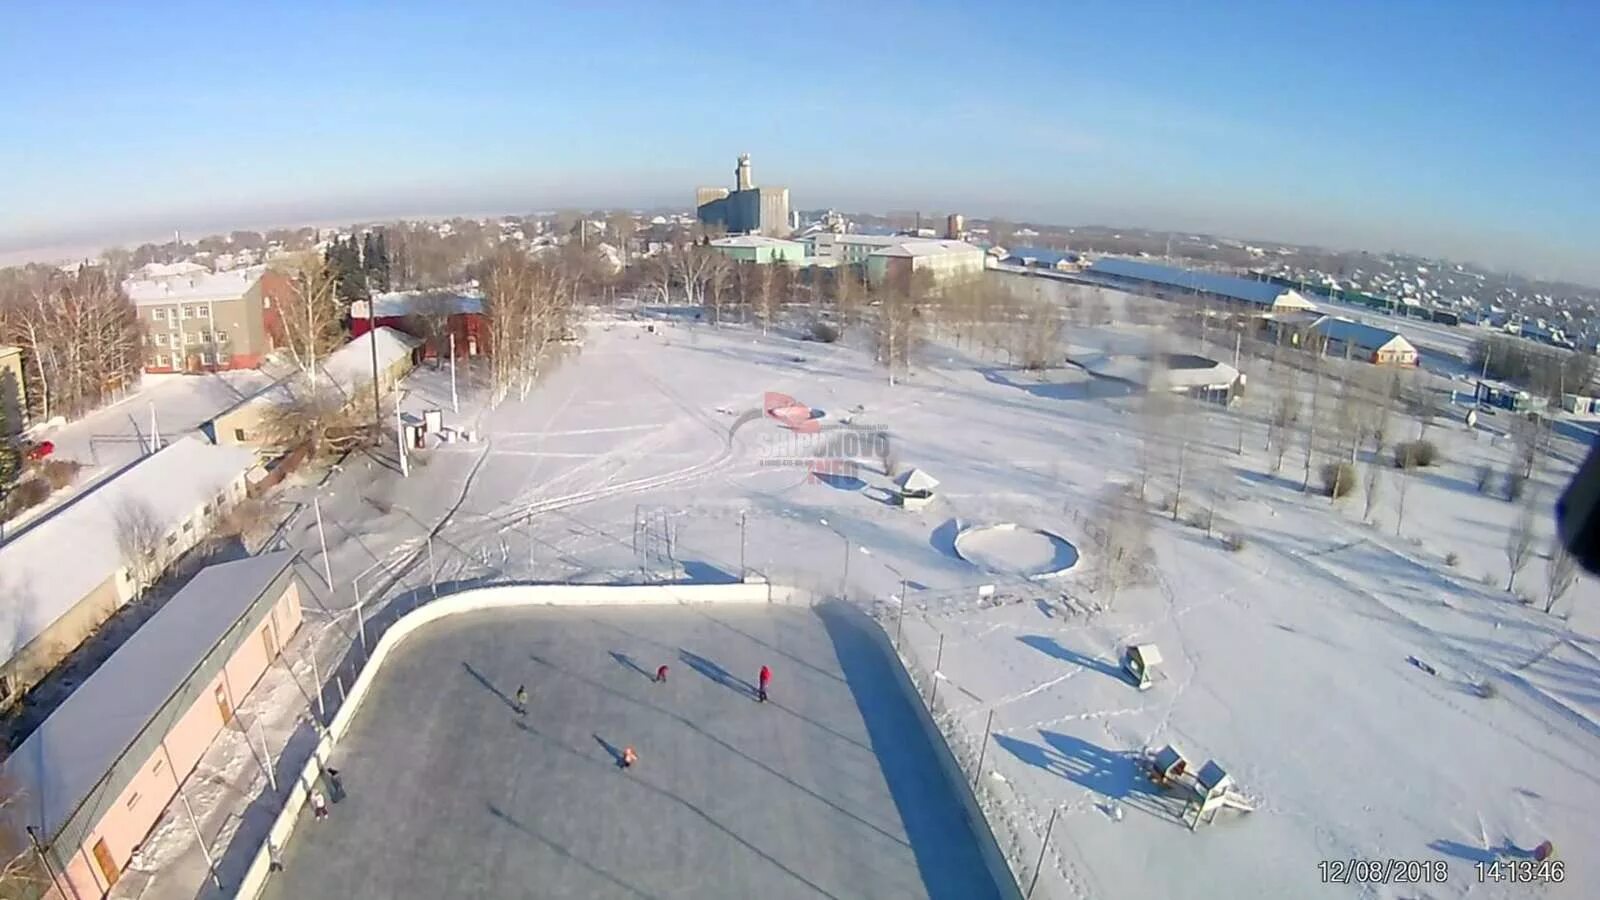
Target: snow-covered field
1300, 663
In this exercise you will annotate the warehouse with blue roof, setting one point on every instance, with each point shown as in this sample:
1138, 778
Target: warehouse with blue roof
1173, 283
1369, 343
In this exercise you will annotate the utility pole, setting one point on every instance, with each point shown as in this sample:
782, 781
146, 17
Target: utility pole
372, 335
322, 538
455, 404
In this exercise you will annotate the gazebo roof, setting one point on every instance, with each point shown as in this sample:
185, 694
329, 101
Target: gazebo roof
916, 480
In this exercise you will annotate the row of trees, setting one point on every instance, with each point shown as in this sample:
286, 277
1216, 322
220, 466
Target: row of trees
1545, 371
79, 336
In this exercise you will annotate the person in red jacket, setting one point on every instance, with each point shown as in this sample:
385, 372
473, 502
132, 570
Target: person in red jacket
661, 674
764, 679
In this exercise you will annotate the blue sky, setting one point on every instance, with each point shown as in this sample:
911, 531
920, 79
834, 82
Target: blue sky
1463, 128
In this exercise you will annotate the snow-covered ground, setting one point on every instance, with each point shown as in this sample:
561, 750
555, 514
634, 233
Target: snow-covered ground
1301, 663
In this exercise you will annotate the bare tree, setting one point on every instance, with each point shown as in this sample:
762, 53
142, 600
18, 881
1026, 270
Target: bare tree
897, 328
1285, 414
308, 316
1312, 419
658, 273
1124, 541
79, 335
1040, 342
22, 874
1519, 540
529, 305
1560, 574
1372, 489
430, 319
1403, 482
719, 282
141, 541
318, 416
1531, 436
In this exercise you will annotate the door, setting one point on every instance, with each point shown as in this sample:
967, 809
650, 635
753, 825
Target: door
108, 866
223, 706
269, 642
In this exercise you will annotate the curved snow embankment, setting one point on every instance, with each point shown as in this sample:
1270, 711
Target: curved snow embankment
1011, 549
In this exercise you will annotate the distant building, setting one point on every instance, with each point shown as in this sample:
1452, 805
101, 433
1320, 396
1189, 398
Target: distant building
759, 249
432, 317
1040, 258
831, 249
899, 262
65, 573
746, 209
196, 321
98, 773
955, 227
1368, 343
1193, 286
13, 393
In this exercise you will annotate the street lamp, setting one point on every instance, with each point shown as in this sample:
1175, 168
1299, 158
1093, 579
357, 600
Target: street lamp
844, 584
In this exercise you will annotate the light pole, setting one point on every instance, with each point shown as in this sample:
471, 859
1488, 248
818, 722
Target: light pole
844, 583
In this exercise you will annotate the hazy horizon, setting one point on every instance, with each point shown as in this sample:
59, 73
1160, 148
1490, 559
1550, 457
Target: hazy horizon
1307, 127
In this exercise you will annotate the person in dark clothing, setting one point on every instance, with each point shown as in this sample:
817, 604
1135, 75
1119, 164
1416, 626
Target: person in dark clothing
763, 680
522, 700
335, 786
661, 675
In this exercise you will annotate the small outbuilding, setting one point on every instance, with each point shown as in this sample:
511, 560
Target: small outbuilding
915, 488
1140, 661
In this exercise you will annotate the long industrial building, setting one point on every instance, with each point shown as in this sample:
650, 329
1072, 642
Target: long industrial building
1172, 283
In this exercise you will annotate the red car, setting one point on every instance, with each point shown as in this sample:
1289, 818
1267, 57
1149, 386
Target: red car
39, 451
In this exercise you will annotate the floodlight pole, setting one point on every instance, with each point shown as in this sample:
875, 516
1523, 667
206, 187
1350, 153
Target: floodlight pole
1042, 848
322, 538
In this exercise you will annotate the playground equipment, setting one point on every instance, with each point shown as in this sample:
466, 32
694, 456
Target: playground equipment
1214, 790
1139, 661
1168, 767
915, 488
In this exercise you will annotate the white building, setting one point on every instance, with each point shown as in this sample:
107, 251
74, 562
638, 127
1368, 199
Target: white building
942, 259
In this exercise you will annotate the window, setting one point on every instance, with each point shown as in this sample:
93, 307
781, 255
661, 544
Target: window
172, 539
156, 769
203, 312
191, 338
134, 800
238, 435
205, 359
266, 302
183, 311
158, 361
188, 526
206, 510
220, 337
161, 339
158, 314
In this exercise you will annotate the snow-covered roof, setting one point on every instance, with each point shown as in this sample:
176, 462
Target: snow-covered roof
1361, 334
195, 286
915, 247
351, 365
49, 568
1244, 290
64, 760
1039, 256
396, 304
756, 240
348, 369
170, 270
916, 480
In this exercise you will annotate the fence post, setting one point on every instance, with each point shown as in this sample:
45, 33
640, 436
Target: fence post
938, 659
983, 749
1042, 848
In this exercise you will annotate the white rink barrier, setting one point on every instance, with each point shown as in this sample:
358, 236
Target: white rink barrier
473, 600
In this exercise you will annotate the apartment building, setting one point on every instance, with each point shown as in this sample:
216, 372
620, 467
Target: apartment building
205, 322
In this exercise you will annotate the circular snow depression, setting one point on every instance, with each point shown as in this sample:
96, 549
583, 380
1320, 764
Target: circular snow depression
1010, 549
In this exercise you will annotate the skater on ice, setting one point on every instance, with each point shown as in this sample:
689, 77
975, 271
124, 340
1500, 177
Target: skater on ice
628, 758
319, 805
661, 674
763, 679
522, 700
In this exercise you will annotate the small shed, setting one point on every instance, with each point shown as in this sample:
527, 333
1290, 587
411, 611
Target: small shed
915, 488
1139, 661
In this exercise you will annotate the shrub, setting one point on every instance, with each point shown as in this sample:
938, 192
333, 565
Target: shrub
1516, 483
1415, 454
1451, 559
59, 472
1484, 688
1338, 479
824, 333
1233, 542
24, 495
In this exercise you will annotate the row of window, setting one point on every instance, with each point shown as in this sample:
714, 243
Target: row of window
195, 311
190, 338
175, 361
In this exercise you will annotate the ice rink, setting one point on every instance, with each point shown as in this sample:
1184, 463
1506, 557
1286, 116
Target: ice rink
828, 790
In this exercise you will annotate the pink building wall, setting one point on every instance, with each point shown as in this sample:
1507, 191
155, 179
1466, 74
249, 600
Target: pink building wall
128, 819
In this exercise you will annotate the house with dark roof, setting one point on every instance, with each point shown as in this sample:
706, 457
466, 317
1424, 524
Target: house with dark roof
1357, 340
97, 774
1189, 285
